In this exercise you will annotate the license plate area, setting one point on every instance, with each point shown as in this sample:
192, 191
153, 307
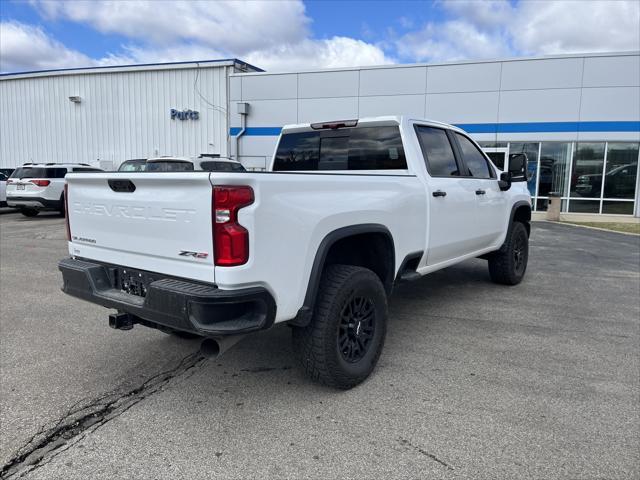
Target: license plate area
20, 186
133, 282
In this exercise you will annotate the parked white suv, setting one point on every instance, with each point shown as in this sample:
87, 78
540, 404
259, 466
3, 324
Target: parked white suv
181, 164
35, 187
348, 210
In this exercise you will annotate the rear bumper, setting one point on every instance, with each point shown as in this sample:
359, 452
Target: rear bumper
171, 302
38, 203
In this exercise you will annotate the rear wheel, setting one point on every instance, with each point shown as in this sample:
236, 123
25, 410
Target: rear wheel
508, 265
342, 344
29, 212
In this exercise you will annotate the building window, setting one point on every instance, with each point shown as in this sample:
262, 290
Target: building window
617, 208
592, 177
553, 170
531, 150
621, 171
586, 173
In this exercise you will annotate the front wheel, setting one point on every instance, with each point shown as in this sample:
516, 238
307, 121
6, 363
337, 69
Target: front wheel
342, 344
507, 265
29, 212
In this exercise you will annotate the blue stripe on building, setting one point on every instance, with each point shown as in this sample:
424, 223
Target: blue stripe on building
529, 127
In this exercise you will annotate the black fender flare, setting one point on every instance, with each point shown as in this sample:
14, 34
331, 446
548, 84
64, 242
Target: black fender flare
305, 312
514, 208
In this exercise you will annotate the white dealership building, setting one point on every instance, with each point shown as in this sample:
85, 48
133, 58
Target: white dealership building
576, 116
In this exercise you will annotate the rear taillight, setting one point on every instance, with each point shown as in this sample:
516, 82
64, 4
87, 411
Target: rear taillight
66, 211
9, 181
230, 239
41, 183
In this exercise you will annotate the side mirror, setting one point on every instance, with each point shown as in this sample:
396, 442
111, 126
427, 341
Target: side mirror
505, 181
518, 167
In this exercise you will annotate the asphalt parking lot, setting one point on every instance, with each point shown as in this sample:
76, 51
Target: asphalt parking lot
476, 380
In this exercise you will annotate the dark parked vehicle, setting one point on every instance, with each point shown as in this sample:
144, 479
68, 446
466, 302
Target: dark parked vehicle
619, 183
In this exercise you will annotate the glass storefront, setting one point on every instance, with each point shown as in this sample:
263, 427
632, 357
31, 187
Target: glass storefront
591, 177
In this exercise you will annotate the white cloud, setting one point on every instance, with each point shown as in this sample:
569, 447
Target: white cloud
450, 41
230, 26
25, 47
573, 27
484, 14
276, 35
331, 53
491, 29
272, 35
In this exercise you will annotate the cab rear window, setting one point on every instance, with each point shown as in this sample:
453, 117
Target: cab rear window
363, 148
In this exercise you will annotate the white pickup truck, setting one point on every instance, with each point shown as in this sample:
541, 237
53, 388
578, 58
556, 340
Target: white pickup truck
345, 211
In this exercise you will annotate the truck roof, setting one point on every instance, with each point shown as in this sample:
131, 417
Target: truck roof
369, 121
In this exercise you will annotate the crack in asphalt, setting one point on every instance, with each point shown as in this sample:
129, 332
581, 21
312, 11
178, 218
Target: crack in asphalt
404, 441
81, 419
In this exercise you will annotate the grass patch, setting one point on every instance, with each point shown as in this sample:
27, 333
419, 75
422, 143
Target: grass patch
614, 226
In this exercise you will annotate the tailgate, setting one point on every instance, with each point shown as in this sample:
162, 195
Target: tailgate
159, 222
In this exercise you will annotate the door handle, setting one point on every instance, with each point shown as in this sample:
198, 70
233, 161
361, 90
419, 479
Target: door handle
439, 193
480, 192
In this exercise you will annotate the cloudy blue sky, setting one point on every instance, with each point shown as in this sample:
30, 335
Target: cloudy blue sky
286, 35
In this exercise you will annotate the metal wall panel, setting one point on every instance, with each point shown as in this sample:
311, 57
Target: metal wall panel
269, 113
321, 109
393, 81
620, 71
122, 115
235, 88
475, 77
270, 87
373, 106
538, 74
473, 107
554, 105
612, 104
328, 84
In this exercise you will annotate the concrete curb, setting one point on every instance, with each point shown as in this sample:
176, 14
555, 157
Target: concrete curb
589, 227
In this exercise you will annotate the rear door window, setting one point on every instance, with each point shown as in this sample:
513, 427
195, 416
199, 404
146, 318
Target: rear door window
437, 151
364, 148
474, 158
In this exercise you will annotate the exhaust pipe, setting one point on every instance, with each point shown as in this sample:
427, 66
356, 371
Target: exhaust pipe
215, 347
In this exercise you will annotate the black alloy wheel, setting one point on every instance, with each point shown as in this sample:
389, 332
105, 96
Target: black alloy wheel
356, 328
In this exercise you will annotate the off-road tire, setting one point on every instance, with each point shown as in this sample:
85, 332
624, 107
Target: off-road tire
343, 287
508, 265
29, 212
